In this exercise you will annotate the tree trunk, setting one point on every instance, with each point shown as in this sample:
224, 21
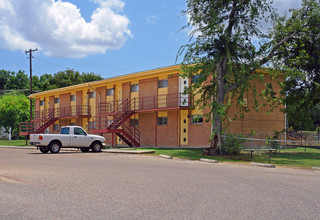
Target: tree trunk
219, 99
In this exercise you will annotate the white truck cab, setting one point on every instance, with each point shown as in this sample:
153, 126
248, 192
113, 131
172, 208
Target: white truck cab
69, 137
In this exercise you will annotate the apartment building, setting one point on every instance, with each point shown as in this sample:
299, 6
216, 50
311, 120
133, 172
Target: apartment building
146, 108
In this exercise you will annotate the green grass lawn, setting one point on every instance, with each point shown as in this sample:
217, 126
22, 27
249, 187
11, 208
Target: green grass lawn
287, 158
13, 142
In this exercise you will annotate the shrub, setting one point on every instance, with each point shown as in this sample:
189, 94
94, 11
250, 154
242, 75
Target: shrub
231, 145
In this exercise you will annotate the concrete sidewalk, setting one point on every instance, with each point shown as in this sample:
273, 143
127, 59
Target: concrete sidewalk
118, 151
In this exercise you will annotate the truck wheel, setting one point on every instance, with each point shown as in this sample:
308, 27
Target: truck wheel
96, 147
55, 147
44, 150
84, 149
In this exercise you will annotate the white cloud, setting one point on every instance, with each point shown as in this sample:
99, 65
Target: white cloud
58, 29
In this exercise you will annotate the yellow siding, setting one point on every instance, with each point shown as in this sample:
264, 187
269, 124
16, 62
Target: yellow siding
184, 127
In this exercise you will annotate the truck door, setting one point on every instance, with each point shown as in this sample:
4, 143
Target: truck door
80, 138
65, 137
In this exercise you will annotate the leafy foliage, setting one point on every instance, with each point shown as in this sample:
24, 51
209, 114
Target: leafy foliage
300, 56
222, 54
20, 80
13, 109
231, 145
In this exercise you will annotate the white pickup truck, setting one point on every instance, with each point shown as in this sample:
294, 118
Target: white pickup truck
69, 137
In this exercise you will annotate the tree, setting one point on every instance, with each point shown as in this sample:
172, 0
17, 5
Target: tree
301, 58
17, 81
4, 75
222, 54
13, 109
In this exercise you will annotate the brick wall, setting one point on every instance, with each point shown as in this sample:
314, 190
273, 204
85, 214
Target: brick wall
167, 135
126, 94
147, 126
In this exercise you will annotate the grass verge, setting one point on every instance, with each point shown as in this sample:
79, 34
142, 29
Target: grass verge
13, 143
297, 158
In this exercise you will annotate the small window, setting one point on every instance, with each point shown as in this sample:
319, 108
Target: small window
184, 130
195, 78
92, 125
185, 82
134, 88
65, 131
79, 131
110, 92
163, 83
73, 98
197, 119
56, 100
56, 127
134, 122
41, 102
184, 121
162, 120
92, 95
184, 139
73, 124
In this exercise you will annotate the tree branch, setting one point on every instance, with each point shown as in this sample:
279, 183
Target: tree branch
273, 50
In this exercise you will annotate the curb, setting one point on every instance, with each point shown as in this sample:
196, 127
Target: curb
316, 168
208, 160
263, 164
165, 156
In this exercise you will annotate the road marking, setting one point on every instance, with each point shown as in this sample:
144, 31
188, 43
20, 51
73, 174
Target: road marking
8, 180
16, 180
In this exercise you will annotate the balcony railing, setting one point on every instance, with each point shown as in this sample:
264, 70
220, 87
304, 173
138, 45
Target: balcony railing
175, 100
64, 112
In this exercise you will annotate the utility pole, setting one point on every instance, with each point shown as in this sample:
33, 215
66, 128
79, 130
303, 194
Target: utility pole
30, 58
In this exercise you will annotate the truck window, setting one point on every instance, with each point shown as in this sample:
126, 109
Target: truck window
65, 131
79, 131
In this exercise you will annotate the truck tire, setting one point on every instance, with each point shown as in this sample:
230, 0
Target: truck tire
44, 150
84, 149
54, 147
96, 146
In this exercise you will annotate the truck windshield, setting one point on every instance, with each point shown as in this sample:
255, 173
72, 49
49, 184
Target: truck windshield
65, 131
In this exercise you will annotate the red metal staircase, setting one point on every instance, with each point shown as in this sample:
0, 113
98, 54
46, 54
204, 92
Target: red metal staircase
38, 125
118, 121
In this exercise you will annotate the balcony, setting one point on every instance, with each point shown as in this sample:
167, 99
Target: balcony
78, 111
150, 103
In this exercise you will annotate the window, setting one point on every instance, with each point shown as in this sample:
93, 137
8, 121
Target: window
163, 83
73, 98
196, 119
195, 78
65, 131
162, 120
79, 131
92, 125
56, 100
134, 88
41, 102
134, 122
92, 95
110, 92
56, 127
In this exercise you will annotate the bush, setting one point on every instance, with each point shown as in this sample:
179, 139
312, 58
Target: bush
231, 145
274, 144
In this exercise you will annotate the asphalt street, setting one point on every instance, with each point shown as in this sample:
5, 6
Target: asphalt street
76, 185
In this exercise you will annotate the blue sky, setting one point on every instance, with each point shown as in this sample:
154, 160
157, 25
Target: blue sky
107, 37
